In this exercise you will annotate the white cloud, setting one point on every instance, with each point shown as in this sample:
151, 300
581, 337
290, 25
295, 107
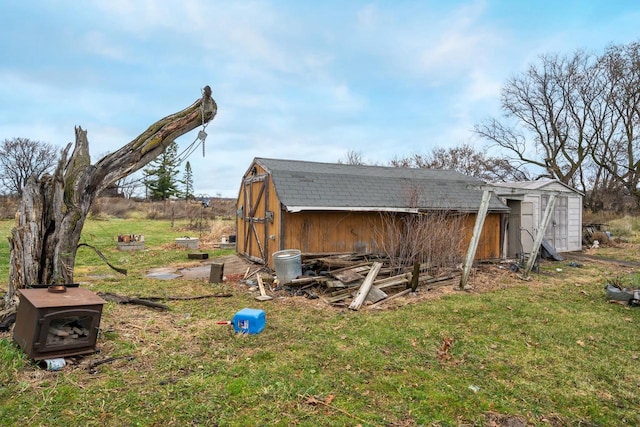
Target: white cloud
97, 43
292, 80
345, 100
483, 86
368, 16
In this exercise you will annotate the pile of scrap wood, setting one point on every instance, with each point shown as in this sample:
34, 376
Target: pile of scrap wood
355, 280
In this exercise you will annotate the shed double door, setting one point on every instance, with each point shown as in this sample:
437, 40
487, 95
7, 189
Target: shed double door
557, 233
254, 242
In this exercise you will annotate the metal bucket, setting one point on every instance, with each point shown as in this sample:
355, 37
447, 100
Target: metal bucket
288, 265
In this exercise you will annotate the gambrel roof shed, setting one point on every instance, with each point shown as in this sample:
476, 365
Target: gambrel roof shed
303, 186
327, 207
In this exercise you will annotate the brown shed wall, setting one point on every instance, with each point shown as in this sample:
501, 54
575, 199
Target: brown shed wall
490, 238
358, 232
331, 231
264, 227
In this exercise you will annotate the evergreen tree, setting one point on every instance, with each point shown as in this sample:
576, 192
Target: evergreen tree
160, 177
187, 180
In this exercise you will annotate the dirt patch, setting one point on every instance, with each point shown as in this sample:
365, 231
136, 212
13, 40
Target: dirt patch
484, 278
235, 267
236, 264
494, 419
589, 256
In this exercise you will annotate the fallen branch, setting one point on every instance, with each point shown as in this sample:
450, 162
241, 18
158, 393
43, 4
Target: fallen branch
218, 295
121, 299
8, 320
310, 400
93, 365
104, 258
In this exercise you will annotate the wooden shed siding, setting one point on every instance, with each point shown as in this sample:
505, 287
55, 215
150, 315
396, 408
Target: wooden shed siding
359, 231
250, 196
490, 238
331, 231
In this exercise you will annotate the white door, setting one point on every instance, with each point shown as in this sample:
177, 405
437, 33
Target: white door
557, 233
526, 227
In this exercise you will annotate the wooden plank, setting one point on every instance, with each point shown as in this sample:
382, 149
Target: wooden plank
338, 296
392, 281
347, 276
300, 281
546, 219
341, 292
332, 284
313, 255
387, 271
375, 294
475, 237
394, 296
355, 266
366, 286
415, 275
336, 262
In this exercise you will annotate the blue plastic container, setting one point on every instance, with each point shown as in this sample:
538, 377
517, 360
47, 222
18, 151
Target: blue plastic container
249, 321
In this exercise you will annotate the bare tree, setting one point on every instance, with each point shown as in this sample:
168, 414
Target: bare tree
547, 122
575, 117
353, 158
21, 158
465, 159
53, 209
130, 185
617, 151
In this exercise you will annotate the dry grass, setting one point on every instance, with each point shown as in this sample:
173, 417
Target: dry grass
178, 210
8, 207
360, 367
548, 351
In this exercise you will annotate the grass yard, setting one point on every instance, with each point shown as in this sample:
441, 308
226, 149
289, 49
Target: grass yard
550, 351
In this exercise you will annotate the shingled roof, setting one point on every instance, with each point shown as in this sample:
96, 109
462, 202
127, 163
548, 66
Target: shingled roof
304, 186
540, 184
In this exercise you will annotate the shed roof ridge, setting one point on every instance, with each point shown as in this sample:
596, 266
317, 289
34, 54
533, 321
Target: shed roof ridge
272, 164
312, 185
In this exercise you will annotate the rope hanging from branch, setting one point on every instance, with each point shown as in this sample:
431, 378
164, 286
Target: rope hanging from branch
202, 135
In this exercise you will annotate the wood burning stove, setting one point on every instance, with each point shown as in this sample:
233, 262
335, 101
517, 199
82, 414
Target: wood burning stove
57, 322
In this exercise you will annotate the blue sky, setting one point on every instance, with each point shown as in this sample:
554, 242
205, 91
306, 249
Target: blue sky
292, 79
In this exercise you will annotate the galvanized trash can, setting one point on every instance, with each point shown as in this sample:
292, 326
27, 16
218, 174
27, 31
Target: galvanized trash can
288, 265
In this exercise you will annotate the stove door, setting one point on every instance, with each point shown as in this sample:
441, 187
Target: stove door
68, 329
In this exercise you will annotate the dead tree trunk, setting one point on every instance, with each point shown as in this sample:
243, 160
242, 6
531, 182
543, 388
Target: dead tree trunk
53, 209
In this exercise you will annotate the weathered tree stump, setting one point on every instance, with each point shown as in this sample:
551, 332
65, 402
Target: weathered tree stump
53, 209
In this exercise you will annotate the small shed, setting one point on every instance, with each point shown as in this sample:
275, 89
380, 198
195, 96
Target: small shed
328, 208
528, 201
